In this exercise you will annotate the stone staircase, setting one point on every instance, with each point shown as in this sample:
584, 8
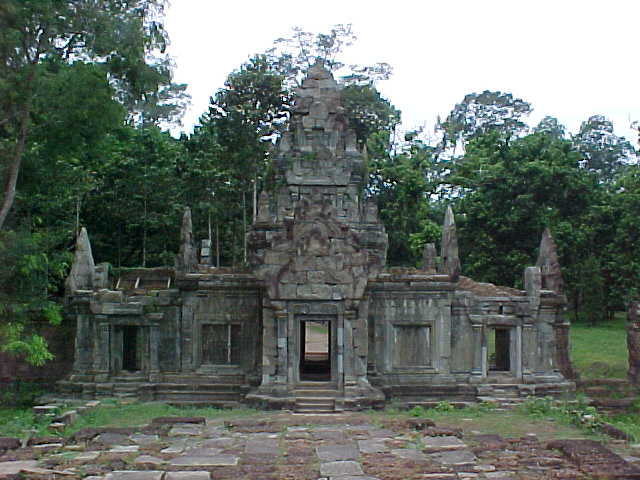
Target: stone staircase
315, 398
505, 395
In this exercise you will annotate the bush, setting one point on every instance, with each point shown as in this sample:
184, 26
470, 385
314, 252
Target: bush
21, 394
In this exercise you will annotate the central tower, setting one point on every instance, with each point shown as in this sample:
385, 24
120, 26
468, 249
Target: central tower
315, 243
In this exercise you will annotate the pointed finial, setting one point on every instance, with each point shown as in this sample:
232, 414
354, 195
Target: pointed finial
82, 270
449, 252
549, 264
187, 259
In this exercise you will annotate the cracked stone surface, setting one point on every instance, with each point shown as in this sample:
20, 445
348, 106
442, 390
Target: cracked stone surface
340, 468
288, 447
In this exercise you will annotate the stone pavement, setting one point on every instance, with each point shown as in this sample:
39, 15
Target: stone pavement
295, 447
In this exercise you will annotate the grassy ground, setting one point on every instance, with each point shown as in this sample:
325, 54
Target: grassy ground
112, 414
516, 423
600, 351
15, 422
509, 424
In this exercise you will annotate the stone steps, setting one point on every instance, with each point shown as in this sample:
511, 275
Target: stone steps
434, 403
315, 405
315, 397
206, 403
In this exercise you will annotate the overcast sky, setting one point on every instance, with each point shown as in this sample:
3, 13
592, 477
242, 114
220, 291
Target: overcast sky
569, 58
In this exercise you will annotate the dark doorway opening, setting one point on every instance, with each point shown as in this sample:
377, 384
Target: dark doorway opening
499, 349
315, 350
131, 358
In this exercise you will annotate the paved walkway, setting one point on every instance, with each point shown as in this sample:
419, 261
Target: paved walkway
286, 446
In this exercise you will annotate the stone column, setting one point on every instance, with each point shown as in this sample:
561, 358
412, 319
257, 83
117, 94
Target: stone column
477, 369
154, 342
269, 347
340, 369
188, 336
281, 332
101, 357
633, 341
529, 349
350, 321
518, 333
563, 361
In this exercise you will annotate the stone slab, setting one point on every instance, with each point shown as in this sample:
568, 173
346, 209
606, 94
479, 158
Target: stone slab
87, 456
187, 476
265, 446
135, 475
124, 449
443, 443
376, 445
454, 457
408, 453
13, 468
500, 476
222, 442
341, 468
332, 453
203, 452
188, 430
212, 461
109, 438
148, 460
354, 477
142, 439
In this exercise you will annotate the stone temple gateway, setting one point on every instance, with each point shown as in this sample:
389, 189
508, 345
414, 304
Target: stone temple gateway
318, 322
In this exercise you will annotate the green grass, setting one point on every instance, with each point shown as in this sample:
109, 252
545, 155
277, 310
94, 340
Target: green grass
484, 418
113, 414
600, 351
16, 422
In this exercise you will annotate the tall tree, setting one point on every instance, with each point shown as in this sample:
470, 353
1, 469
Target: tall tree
116, 34
602, 150
511, 191
480, 113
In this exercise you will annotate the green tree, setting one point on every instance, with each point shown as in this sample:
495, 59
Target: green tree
118, 35
480, 113
134, 210
403, 184
602, 150
26, 274
511, 191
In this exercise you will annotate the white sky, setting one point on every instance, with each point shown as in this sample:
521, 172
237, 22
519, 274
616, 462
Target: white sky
569, 58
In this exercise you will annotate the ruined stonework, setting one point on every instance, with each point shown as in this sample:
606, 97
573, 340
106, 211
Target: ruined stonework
317, 322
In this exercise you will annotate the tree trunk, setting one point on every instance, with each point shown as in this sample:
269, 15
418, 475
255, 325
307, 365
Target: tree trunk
9, 193
633, 341
244, 227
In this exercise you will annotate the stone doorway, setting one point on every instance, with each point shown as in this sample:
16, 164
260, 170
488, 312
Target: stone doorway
315, 350
499, 349
129, 350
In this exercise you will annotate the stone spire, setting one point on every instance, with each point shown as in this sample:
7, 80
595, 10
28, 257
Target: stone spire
83, 268
187, 259
449, 252
549, 264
